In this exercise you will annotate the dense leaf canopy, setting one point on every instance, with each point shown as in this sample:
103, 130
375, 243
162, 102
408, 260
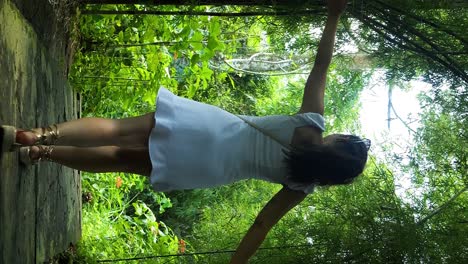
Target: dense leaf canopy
257, 65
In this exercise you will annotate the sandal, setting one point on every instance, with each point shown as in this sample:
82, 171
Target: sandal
44, 154
48, 136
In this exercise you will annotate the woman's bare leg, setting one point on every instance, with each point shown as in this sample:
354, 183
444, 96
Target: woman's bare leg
100, 159
94, 132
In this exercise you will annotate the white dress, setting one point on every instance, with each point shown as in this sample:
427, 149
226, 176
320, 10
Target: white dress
195, 145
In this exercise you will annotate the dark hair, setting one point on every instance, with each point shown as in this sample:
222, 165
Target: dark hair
330, 164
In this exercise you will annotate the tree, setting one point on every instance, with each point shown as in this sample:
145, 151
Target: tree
420, 4
412, 39
217, 60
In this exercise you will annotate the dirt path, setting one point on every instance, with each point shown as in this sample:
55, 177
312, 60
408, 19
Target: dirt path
40, 206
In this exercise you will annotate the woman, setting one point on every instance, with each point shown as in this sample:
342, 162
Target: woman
187, 145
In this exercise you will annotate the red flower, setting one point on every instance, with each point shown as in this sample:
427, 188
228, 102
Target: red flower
118, 182
182, 246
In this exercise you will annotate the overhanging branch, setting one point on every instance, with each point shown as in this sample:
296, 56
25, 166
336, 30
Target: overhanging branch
442, 207
448, 62
202, 13
405, 42
425, 21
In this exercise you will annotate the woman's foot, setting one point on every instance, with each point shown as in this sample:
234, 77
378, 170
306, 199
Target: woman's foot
14, 137
34, 154
26, 138
46, 135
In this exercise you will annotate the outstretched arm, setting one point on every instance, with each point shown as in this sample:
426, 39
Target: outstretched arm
315, 86
273, 211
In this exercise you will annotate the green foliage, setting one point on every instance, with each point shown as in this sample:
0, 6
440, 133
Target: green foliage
123, 218
217, 218
341, 99
123, 61
439, 160
414, 42
439, 165
410, 39
362, 223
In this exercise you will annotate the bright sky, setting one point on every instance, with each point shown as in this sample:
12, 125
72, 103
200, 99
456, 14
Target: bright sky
373, 117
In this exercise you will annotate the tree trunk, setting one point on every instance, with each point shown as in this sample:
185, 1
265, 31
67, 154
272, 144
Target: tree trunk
423, 4
201, 13
207, 2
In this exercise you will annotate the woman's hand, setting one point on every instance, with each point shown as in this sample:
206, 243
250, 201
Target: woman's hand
336, 7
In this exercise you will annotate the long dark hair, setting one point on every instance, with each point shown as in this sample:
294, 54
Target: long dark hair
327, 164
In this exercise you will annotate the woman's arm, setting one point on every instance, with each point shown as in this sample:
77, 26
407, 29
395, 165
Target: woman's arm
271, 213
315, 86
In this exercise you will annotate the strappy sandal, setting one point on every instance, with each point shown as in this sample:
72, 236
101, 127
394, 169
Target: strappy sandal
44, 154
48, 136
